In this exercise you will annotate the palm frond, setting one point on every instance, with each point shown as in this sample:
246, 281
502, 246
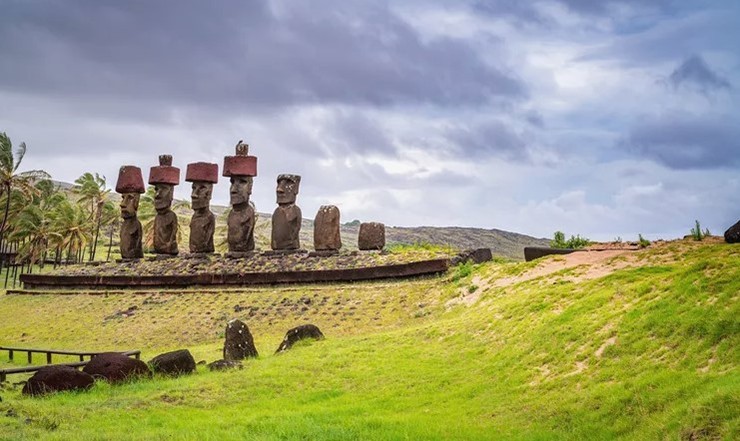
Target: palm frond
19, 154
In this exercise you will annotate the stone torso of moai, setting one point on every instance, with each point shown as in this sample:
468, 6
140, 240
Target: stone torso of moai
241, 169
130, 185
203, 223
286, 220
164, 178
326, 229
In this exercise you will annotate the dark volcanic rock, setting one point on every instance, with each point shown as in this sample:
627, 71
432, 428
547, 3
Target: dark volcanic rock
173, 363
732, 235
222, 365
479, 255
371, 236
116, 367
531, 253
299, 333
56, 379
239, 343
326, 229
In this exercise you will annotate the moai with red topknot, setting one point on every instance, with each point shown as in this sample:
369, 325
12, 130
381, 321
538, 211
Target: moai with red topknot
203, 223
164, 177
130, 185
241, 170
286, 220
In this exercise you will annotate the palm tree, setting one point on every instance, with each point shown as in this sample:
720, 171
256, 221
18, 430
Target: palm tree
71, 229
11, 179
91, 188
33, 224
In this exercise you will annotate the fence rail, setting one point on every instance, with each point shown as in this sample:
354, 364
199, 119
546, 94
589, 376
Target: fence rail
49, 352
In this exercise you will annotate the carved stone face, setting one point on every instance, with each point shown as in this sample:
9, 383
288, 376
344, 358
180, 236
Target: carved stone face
200, 197
241, 188
286, 192
163, 196
129, 205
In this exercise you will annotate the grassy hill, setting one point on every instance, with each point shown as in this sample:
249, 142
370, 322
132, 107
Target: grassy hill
644, 348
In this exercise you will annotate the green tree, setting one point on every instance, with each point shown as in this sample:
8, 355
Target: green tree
11, 179
33, 224
91, 189
71, 229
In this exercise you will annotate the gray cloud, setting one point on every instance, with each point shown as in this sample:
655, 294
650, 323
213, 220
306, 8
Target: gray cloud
492, 138
683, 141
695, 71
238, 54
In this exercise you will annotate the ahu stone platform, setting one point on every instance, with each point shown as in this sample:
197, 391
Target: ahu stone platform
257, 269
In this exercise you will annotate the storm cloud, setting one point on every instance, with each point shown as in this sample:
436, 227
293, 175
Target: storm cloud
597, 118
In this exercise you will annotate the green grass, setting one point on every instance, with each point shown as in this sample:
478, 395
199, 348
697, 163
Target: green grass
644, 353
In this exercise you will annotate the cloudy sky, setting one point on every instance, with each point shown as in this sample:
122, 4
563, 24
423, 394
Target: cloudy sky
603, 118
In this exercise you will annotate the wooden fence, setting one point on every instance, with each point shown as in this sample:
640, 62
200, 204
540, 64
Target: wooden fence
49, 352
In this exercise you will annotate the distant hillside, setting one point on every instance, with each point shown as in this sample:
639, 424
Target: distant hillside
502, 243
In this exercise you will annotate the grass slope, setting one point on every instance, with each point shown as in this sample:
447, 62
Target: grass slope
644, 353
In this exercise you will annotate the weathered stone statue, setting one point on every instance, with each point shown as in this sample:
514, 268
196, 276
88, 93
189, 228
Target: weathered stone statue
203, 223
326, 229
241, 169
371, 236
164, 177
286, 220
130, 185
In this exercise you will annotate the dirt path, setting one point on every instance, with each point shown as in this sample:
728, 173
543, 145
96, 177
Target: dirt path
595, 264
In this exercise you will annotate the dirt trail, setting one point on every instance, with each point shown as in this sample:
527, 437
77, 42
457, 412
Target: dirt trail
596, 264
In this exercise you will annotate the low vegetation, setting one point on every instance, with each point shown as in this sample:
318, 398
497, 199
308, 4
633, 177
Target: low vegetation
575, 242
645, 352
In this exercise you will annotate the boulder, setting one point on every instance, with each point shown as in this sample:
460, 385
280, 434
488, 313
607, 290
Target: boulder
478, 255
371, 236
173, 363
116, 367
299, 333
57, 378
239, 343
223, 365
732, 235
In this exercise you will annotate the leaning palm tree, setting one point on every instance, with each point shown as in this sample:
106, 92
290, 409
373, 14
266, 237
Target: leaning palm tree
33, 224
91, 189
11, 179
71, 230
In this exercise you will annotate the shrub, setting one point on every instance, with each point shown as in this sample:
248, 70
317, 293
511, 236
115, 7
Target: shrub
696, 232
558, 241
642, 241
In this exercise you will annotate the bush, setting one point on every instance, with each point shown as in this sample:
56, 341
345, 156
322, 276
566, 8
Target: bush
642, 241
696, 232
575, 242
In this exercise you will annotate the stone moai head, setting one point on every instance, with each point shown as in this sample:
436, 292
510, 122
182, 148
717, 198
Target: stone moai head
241, 169
287, 188
203, 175
164, 177
130, 185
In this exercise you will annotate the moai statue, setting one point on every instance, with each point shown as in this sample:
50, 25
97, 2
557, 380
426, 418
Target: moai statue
371, 236
164, 177
203, 223
241, 169
286, 220
130, 185
326, 229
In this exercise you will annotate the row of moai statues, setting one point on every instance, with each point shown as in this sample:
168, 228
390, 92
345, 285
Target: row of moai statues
241, 170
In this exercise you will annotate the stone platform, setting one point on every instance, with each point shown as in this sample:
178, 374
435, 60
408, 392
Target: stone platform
221, 271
